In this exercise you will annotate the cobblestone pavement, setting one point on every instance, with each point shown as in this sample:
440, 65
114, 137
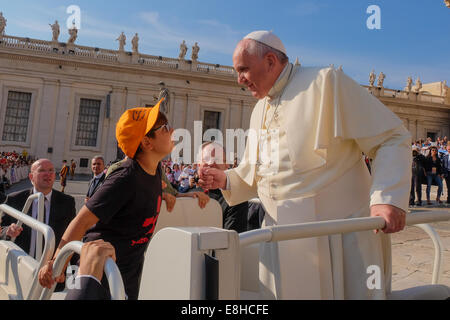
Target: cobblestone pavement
413, 254
413, 250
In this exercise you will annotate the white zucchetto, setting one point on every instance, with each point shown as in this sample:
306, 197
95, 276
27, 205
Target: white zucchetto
268, 38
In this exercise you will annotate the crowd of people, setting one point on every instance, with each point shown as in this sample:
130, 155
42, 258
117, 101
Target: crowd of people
184, 177
430, 166
14, 167
425, 144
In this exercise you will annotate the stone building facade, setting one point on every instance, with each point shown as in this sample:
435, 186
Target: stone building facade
423, 114
62, 101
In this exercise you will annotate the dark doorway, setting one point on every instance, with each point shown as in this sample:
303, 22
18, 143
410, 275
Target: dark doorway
431, 135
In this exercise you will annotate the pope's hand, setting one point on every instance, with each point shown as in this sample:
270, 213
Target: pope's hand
395, 218
212, 178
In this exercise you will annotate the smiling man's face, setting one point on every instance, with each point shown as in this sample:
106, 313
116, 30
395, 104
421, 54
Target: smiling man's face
42, 175
253, 71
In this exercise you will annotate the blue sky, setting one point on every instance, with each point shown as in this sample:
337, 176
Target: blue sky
414, 39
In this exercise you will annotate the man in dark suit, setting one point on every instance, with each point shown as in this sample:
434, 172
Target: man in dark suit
88, 281
446, 169
98, 167
59, 208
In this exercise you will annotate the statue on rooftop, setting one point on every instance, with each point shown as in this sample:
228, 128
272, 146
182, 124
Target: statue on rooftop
2, 24
164, 107
372, 78
183, 50
135, 43
195, 50
55, 30
122, 40
409, 84
73, 32
444, 88
418, 85
381, 78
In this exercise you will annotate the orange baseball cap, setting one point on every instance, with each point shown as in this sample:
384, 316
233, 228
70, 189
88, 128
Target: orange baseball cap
133, 125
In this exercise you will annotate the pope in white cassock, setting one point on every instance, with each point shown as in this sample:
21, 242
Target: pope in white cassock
314, 124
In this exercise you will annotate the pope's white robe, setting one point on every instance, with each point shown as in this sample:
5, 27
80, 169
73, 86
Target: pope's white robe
326, 120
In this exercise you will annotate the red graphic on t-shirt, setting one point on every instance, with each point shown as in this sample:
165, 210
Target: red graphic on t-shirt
151, 223
140, 241
148, 221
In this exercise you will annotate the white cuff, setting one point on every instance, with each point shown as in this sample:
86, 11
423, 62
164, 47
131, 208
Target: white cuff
227, 187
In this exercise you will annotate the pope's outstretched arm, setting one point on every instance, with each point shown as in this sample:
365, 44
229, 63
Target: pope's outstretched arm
234, 189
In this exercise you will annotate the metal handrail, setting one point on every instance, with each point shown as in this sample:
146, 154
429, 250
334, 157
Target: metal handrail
438, 251
112, 272
324, 228
49, 247
40, 217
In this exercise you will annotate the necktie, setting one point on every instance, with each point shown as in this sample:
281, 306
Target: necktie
34, 232
93, 186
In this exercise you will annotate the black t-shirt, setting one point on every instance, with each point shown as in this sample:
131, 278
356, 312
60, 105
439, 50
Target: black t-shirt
127, 205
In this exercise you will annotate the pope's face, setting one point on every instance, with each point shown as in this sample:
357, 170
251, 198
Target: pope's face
253, 71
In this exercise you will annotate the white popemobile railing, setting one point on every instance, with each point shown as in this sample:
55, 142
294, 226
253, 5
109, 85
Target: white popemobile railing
43, 229
324, 228
111, 271
179, 252
238, 259
40, 217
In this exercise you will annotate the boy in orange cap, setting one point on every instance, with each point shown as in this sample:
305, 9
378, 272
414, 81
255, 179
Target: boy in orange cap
125, 209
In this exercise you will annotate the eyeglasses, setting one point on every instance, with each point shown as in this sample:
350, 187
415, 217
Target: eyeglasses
165, 126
